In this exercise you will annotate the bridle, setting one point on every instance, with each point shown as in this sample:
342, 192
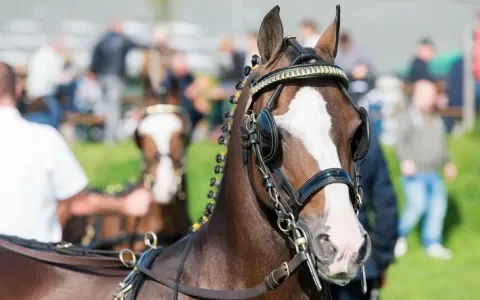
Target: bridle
261, 140
179, 165
148, 178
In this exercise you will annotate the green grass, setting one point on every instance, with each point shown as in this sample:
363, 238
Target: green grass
105, 166
414, 276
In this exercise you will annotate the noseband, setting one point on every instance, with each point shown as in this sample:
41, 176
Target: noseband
261, 138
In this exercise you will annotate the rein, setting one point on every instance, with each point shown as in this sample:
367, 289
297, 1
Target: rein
100, 262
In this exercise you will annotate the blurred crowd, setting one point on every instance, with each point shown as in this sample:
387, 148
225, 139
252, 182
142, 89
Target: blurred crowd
56, 94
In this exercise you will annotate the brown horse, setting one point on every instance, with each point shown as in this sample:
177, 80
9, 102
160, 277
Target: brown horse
162, 137
284, 203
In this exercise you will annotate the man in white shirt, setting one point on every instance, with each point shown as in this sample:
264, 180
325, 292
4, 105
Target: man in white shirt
44, 76
308, 33
39, 174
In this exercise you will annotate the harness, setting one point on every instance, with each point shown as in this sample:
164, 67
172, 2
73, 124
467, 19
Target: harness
262, 142
93, 235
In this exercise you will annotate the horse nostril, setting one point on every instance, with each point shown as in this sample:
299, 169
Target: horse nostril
364, 250
324, 249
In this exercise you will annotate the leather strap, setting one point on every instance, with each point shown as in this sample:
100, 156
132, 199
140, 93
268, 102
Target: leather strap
271, 282
322, 179
69, 260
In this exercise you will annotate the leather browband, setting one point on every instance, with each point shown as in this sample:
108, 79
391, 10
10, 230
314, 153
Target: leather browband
300, 72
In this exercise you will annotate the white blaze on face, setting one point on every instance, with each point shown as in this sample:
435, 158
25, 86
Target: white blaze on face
308, 120
161, 128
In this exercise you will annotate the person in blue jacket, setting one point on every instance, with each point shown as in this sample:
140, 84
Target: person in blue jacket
379, 199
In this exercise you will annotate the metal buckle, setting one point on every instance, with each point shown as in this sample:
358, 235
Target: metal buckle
120, 295
301, 245
148, 181
87, 239
67, 245
287, 269
126, 263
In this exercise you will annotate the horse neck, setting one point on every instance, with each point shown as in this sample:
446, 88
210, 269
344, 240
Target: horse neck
238, 223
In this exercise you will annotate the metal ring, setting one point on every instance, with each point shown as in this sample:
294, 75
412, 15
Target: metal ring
122, 259
148, 242
359, 199
279, 224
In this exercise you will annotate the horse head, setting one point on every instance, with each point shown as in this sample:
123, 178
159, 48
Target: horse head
304, 133
162, 137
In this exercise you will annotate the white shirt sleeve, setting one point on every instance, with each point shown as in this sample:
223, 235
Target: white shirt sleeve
67, 175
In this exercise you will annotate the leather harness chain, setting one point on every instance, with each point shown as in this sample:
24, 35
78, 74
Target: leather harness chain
287, 210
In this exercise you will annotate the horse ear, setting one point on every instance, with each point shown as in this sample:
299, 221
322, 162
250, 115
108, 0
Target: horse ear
327, 44
270, 34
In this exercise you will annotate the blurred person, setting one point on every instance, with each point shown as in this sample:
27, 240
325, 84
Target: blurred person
251, 47
230, 71
88, 101
349, 53
422, 150
45, 74
180, 78
40, 176
155, 64
362, 89
108, 66
455, 92
476, 58
309, 34
419, 70
380, 202
66, 90
361, 81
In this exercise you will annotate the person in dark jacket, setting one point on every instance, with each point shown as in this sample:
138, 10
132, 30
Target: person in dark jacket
179, 77
231, 64
380, 198
108, 66
455, 91
419, 66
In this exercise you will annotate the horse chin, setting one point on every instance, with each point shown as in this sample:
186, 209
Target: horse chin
322, 270
340, 282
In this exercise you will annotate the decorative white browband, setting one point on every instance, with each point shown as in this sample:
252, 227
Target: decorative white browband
164, 108
168, 109
300, 72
